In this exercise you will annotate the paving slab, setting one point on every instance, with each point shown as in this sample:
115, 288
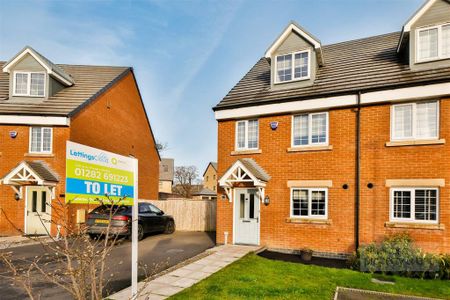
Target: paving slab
177, 280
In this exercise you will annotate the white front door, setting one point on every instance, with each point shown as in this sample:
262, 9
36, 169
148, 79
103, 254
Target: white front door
37, 210
246, 217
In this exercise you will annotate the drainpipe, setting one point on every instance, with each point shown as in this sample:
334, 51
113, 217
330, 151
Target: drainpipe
357, 169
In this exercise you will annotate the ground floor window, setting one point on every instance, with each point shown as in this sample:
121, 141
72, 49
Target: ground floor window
414, 204
309, 203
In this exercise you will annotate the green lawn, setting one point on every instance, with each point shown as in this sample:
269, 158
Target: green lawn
254, 277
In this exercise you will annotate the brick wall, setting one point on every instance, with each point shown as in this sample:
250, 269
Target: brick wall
13, 151
337, 165
115, 121
378, 163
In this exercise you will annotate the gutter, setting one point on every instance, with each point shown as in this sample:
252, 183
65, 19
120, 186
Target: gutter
357, 169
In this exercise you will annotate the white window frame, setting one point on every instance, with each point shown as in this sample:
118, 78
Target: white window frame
414, 123
28, 84
309, 216
412, 219
439, 40
310, 143
293, 67
245, 136
42, 140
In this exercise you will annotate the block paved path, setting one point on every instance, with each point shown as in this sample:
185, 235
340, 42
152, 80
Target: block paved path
173, 282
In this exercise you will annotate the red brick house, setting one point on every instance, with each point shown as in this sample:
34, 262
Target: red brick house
43, 105
329, 147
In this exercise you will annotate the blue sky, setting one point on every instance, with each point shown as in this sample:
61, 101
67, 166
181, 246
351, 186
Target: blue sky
186, 54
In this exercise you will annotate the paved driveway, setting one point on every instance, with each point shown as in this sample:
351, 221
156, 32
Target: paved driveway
158, 252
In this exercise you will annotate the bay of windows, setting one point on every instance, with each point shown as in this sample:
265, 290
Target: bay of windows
414, 204
415, 121
247, 134
433, 43
309, 203
292, 66
40, 140
310, 129
29, 84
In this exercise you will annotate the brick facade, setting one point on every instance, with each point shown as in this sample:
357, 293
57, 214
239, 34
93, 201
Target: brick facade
115, 121
378, 163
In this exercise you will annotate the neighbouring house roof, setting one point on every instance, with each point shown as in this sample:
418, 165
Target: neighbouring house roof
40, 172
212, 164
195, 188
204, 192
166, 175
359, 65
90, 82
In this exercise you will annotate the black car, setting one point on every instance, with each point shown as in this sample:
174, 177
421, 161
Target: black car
151, 219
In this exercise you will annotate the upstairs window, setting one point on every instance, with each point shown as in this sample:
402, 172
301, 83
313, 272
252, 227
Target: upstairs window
433, 43
293, 66
247, 135
29, 84
413, 121
41, 140
310, 129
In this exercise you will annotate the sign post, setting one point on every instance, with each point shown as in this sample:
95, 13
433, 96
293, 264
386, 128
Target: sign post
134, 235
95, 176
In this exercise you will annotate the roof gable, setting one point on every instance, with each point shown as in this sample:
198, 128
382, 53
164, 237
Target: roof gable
50, 67
296, 28
30, 171
210, 164
413, 19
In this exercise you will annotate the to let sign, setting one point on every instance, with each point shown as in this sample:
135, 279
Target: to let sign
94, 174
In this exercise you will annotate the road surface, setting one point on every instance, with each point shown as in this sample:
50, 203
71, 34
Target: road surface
158, 252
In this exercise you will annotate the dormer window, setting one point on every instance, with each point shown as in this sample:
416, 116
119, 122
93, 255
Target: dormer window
293, 66
433, 43
29, 84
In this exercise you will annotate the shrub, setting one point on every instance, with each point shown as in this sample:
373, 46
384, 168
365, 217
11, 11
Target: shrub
398, 255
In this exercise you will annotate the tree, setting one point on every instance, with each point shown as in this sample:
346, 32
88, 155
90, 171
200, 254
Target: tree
73, 261
161, 146
185, 178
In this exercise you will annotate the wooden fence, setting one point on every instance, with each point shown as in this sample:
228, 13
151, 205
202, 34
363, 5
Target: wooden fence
190, 215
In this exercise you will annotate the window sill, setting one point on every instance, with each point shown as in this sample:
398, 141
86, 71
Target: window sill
310, 148
39, 155
413, 225
308, 221
244, 152
415, 143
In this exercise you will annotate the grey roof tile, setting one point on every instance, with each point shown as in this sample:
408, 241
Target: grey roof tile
43, 170
255, 169
90, 82
205, 192
360, 65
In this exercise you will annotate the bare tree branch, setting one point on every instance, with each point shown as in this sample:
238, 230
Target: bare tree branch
185, 178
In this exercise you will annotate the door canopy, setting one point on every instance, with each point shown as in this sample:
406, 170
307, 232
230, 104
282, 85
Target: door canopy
30, 173
244, 170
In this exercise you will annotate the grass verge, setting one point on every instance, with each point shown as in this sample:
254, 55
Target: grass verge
254, 277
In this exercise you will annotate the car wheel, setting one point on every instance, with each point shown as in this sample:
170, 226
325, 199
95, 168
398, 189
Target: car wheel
170, 227
140, 232
93, 236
